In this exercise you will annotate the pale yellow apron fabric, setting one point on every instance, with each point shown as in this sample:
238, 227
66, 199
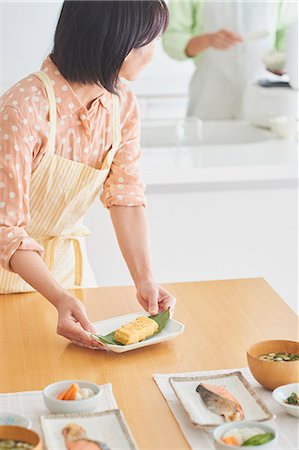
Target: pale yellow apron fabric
61, 191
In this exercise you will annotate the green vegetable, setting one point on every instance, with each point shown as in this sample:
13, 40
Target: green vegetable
279, 357
259, 439
292, 399
161, 319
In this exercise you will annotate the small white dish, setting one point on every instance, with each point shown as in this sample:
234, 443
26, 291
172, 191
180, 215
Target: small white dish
284, 127
8, 418
281, 393
172, 329
219, 432
234, 382
70, 406
107, 427
275, 61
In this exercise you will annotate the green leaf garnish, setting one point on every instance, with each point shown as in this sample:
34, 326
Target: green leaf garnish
161, 319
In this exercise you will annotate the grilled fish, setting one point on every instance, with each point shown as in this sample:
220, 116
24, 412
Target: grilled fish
75, 438
221, 402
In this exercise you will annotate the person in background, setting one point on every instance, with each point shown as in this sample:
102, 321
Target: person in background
69, 134
227, 41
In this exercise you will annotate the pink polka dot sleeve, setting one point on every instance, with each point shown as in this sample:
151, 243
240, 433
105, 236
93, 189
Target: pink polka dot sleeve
123, 186
15, 174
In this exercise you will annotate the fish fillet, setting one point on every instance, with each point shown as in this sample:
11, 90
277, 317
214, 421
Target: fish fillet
221, 402
75, 438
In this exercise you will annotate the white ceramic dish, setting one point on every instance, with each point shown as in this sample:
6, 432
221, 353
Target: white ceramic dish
281, 393
70, 406
108, 427
8, 418
275, 61
219, 432
172, 329
284, 127
234, 382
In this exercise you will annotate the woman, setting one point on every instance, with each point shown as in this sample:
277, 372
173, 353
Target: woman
228, 41
70, 131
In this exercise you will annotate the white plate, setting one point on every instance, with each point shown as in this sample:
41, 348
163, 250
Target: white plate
281, 393
108, 427
234, 382
172, 329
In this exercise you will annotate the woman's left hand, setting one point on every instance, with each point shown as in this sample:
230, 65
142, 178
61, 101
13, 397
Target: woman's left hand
153, 298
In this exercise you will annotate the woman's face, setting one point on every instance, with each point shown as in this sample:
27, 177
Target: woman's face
137, 60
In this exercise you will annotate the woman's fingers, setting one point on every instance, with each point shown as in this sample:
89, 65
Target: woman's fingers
153, 308
72, 330
168, 302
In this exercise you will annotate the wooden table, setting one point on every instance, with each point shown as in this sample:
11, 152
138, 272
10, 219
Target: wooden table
222, 318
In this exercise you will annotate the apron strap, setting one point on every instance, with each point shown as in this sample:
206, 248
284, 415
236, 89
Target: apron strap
52, 110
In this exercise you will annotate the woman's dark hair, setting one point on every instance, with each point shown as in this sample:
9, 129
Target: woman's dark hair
92, 38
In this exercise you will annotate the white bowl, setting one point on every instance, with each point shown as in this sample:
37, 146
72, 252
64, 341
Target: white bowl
275, 61
70, 406
219, 432
281, 393
284, 127
8, 418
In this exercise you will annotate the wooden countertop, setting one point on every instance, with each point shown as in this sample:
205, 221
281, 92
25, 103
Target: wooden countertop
222, 318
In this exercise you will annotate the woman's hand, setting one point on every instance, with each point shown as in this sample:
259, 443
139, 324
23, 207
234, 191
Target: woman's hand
153, 298
73, 323
224, 39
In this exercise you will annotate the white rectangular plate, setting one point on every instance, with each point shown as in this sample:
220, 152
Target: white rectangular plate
234, 382
172, 329
108, 427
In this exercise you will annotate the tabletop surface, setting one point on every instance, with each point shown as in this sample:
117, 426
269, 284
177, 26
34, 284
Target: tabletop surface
222, 319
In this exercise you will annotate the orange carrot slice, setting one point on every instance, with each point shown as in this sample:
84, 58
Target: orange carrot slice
71, 392
60, 395
231, 440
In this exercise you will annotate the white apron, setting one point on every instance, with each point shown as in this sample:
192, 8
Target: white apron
61, 191
221, 76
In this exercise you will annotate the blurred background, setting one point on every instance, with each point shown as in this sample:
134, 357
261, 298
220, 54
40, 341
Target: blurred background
221, 188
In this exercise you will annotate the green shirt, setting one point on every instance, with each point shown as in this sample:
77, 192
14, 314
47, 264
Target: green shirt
186, 18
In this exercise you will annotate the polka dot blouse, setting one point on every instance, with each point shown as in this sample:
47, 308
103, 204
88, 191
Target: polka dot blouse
82, 135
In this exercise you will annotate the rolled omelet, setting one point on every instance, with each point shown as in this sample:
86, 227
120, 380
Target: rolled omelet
140, 329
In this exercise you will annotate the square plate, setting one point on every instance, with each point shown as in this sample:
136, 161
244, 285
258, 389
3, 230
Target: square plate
234, 382
108, 427
172, 329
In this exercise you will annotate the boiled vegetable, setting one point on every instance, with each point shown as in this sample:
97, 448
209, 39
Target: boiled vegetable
259, 439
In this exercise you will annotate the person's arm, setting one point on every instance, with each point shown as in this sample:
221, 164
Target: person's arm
123, 195
132, 234
20, 253
221, 40
287, 15
184, 38
183, 25
73, 322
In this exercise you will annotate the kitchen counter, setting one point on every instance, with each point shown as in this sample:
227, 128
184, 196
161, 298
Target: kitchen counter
231, 151
222, 318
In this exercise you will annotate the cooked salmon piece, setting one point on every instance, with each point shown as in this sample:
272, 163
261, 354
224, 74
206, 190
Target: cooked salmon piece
75, 438
221, 402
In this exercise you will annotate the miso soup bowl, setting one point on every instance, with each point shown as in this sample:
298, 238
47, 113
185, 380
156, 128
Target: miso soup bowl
12, 432
272, 374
